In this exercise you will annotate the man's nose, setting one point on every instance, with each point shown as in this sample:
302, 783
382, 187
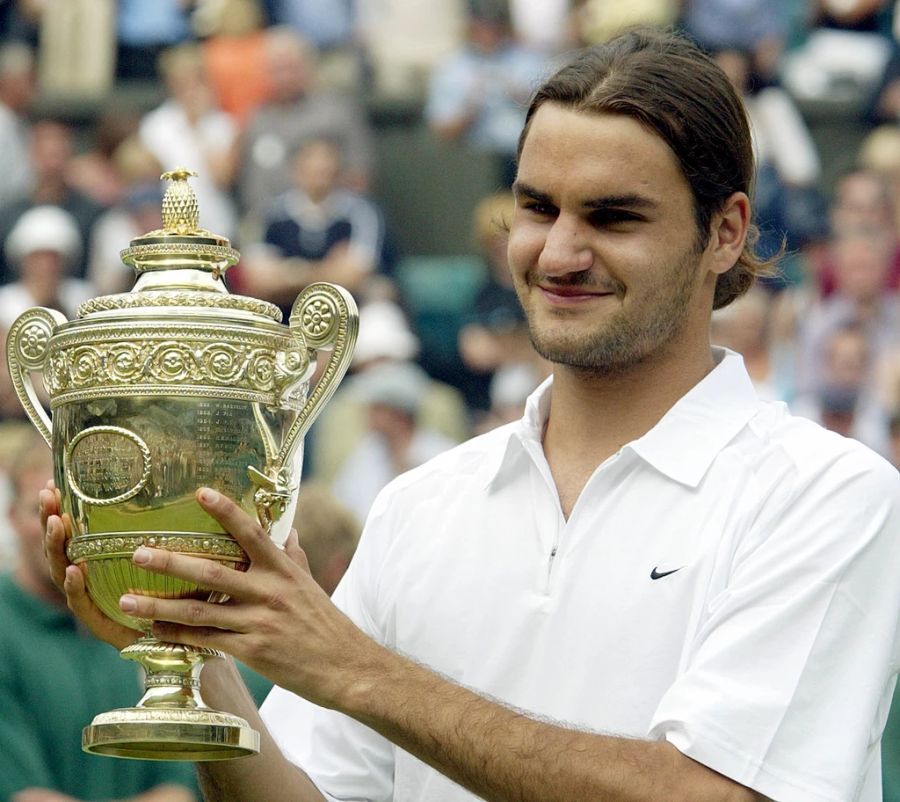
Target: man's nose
566, 249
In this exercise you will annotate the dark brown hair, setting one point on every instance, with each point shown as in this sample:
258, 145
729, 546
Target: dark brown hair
669, 85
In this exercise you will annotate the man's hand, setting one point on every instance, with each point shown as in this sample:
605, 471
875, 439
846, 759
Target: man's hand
70, 578
278, 620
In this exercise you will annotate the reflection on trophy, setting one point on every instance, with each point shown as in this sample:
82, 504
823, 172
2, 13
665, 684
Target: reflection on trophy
154, 393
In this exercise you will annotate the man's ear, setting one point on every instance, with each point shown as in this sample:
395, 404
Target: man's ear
728, 232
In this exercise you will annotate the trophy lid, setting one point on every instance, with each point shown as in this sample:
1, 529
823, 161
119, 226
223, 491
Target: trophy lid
180, 264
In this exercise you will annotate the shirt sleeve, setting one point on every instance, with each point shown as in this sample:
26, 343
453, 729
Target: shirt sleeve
787, 685
346, 760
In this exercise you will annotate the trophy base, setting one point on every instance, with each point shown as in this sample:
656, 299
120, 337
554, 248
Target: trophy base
170, 734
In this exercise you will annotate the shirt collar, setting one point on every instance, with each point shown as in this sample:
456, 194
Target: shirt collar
682, 445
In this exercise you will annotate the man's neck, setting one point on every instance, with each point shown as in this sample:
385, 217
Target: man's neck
593, 416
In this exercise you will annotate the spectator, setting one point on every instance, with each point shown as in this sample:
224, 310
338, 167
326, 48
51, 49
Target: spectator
787, 202
138, 212
17, 85
743, 326
330, 28
862, 200
234, 54
328, 533
862, 261
545, 27
755, 27
316, 231
50, 153
145, 29
54, 677
188, 130
843, 399
94, 172
297, 111
477, 95
42, 247
394, 442
884, 104
405, 39
384, 338
494, 335
845, 52
880, 152
599, 21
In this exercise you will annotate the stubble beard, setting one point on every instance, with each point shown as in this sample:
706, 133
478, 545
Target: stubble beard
627, 338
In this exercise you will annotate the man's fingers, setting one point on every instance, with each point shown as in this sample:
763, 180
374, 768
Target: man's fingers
247, 531
191, 612
295, 552
90, 615
55, 549
208, 637
208, 574
47, 504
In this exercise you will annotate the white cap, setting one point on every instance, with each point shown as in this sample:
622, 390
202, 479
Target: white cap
401, 385
384, 334
44, 228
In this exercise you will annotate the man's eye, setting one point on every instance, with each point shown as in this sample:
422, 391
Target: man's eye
608, 217
541, 209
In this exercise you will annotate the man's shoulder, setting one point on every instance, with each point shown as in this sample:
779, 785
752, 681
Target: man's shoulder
793, 451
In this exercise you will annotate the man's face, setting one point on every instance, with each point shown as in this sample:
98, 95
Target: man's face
289, 73
603, 244
26, 523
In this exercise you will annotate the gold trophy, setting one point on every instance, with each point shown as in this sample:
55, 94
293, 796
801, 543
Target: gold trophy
156, 392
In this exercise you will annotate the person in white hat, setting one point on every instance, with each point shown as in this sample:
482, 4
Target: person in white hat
42, 246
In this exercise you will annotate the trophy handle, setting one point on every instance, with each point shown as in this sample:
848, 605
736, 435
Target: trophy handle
27, 348
324, 316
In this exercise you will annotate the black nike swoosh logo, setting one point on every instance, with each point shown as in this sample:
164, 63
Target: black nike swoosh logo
654, 574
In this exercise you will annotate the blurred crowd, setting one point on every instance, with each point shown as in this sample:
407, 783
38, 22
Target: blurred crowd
270, 102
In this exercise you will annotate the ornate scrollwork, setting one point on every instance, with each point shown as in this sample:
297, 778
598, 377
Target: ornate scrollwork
203, 300
258, 365
315, 314
88, 547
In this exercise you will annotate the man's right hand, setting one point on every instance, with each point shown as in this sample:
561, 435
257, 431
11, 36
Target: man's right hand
70, 579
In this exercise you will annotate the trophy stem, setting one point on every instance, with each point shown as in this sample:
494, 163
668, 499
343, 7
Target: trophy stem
171, 721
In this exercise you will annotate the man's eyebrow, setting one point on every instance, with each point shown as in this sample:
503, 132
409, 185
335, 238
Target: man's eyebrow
627, 201
520, 188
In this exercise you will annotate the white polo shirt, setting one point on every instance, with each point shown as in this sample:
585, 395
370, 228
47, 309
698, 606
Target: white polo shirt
727, 582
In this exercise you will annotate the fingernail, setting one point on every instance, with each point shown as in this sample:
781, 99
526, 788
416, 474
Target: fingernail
209, 495
141, 556
128, 604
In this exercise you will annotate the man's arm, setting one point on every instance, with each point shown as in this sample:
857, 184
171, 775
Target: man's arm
278, 613
268, 775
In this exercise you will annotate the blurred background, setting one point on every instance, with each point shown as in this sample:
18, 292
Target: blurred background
371, 143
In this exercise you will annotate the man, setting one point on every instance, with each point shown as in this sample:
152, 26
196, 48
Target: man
17, 88
653, 587
51, 147
296, 111
55, 677
316, 231
477, 93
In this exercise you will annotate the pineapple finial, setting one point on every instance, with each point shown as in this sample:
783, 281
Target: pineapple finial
180, 210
